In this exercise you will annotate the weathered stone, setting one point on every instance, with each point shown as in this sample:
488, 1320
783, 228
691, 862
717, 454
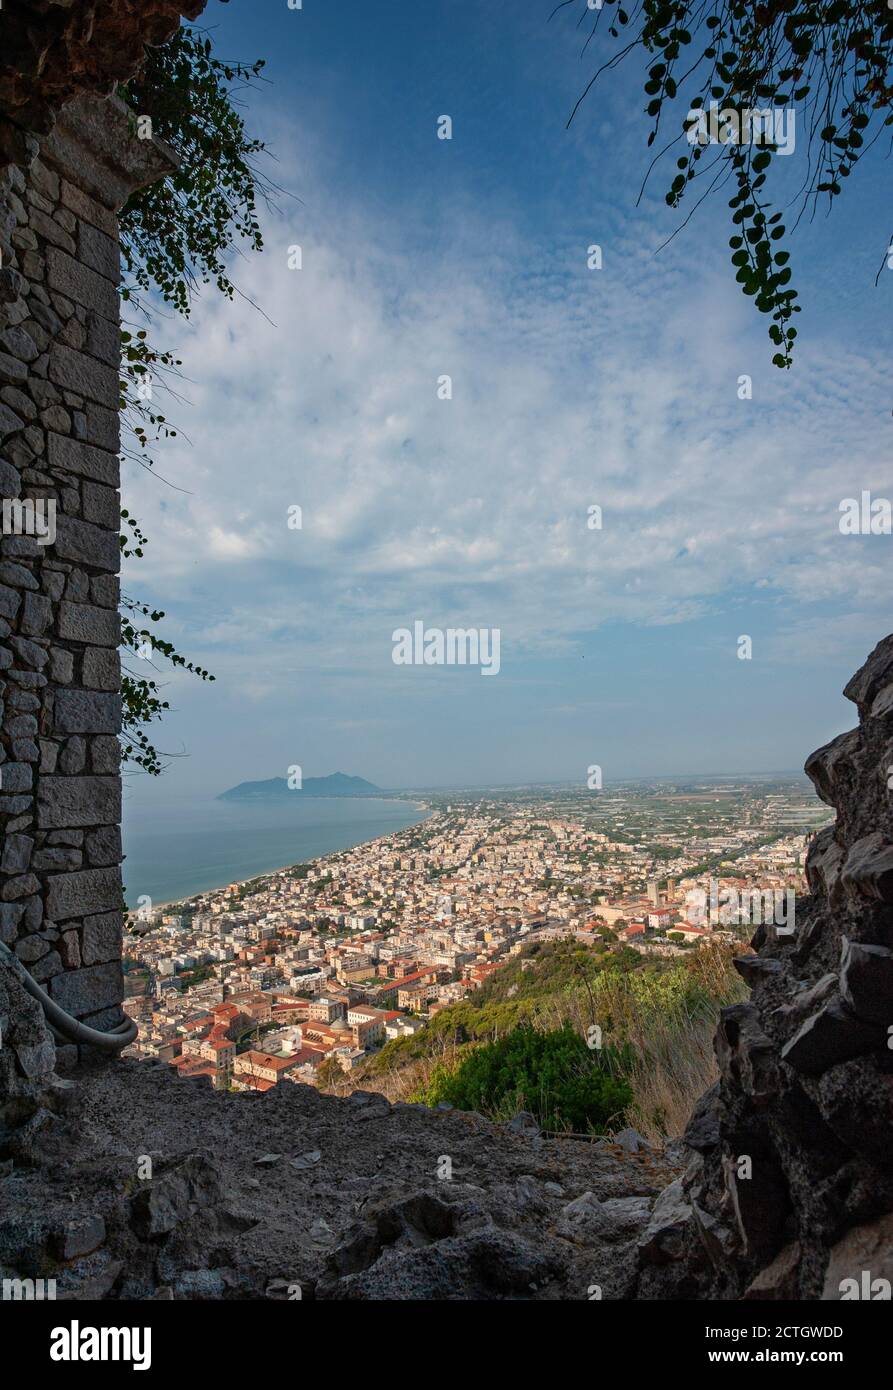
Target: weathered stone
78, 282
31, 948
9, 421
745, 1054
868, 868
84, 712
21, 726
65, 837
12, 285
872, 677
73, 757
29, 653
105, 590
77, 371
16, 777
721, 1242
70, 947
86, 544
99, 252
37, 614
866, 981
101, 938
50, 231
16, 854
87, 209
104, 340
101, 669
61, 666
824, 861
31, 680
10, 916
192, 1184
18, 575
86, 991
45, 317
524, 1124
760, 1201
77, 801
103, 847
105, 754
14, 889
664, 1237
81, 622
80, 1238
588, 1221
754, 968
99, 427
861, 1263
56, 860
702, 1131
832, 1035
10, 602
779, 1279
19, 402
18, 343
56, 419
77, 587
37, 1059
102, 505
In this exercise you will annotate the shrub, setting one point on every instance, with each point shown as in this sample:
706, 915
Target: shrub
552, 1074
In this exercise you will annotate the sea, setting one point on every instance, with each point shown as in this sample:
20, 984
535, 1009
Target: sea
179, 847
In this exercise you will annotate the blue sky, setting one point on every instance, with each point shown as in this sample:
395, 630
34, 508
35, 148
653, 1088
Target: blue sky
571, 388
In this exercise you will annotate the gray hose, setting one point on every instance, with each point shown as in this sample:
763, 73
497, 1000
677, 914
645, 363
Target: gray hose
63, 1023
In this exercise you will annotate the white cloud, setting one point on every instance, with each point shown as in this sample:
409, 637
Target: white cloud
570, 388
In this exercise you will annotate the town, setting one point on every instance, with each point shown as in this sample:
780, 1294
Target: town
322, 963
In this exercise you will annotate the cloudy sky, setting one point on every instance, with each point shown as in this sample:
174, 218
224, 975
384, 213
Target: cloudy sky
571, 388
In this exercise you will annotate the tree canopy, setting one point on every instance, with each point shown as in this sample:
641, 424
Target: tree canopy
728, 61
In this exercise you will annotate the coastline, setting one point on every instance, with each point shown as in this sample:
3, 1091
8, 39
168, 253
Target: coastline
245, 820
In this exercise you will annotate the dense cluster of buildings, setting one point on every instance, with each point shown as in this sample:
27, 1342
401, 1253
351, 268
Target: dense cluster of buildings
265, 982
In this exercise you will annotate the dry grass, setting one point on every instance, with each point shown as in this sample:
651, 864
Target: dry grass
676, 1066
672, 1043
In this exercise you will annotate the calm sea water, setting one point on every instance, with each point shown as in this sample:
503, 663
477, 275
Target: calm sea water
188, 846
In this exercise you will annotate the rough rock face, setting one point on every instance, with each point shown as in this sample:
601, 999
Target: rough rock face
54, 50
146, 1186
789, 1187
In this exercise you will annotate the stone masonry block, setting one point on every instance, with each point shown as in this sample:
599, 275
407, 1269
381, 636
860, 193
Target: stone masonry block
68, 802
78, 282
72, 456
75, 371
90, 990
85, 712
101, 938
81, 622
101, 669
81, 893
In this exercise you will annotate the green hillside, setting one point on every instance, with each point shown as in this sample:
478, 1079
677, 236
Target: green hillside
644, 1024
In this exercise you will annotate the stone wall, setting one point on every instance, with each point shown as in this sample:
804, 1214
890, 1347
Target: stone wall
52, 51
60, 703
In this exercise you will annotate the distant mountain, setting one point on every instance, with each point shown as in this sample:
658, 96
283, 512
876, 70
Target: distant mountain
275, 788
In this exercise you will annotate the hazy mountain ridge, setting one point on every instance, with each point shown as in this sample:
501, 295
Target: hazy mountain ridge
336, 784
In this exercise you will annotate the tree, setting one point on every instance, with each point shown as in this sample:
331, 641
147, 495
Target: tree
828, 60
175, 237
